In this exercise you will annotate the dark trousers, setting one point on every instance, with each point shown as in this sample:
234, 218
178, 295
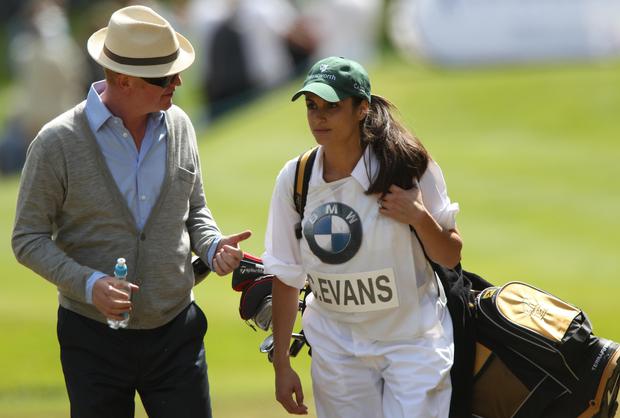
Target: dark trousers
104, 368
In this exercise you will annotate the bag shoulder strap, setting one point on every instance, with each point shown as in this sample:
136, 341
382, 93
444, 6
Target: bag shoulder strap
303, 171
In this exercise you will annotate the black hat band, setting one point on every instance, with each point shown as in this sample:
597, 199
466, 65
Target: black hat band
140, 61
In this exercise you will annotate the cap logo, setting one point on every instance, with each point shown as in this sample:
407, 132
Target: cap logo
343, 78
356, 86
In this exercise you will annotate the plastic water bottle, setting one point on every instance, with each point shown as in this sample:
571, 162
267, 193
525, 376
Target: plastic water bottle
120, 272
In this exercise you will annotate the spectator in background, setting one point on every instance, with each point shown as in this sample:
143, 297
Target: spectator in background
252, 46
93, 17
344, 27
49, 70
255, 46
8, 10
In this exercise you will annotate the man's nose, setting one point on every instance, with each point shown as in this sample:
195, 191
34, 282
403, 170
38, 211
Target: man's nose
177, 81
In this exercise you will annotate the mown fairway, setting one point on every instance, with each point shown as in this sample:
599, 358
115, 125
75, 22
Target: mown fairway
531, 155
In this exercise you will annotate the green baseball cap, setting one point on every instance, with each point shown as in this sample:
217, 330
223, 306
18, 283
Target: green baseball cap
336, 78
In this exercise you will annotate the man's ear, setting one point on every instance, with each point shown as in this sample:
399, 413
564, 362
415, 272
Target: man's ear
123, 81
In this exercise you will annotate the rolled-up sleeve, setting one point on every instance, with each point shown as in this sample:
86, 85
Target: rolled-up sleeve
282, 256
435, 197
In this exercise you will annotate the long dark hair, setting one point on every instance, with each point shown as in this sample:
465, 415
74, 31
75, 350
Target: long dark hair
402, 157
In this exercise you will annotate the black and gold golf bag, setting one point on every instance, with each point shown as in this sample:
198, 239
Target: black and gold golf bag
536, 356
521, 352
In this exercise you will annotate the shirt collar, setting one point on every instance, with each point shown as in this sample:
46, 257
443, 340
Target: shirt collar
365, 170
97, 112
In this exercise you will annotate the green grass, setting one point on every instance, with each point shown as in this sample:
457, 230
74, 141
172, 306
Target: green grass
529, 153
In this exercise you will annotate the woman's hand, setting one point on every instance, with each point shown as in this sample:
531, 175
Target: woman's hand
402, 205
287, 385
443, 246
285, 302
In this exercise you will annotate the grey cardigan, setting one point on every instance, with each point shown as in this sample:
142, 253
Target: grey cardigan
72, 220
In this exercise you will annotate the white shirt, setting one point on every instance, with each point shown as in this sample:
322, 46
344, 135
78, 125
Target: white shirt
282, 256
388, 250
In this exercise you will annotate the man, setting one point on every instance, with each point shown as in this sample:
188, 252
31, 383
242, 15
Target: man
119, 176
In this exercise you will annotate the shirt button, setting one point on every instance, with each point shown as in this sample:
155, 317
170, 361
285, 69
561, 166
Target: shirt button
143, 197
124, 134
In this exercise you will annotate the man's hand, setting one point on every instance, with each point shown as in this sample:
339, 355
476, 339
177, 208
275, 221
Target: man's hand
112, 296
228, 254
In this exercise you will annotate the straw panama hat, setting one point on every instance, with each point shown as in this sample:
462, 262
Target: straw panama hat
140, 43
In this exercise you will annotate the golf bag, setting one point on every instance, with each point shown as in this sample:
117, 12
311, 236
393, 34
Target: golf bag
536, 356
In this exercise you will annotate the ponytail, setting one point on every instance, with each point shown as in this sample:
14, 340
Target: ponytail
402, 157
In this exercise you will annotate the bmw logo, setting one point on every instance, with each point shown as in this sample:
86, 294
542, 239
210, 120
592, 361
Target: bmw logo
333, 232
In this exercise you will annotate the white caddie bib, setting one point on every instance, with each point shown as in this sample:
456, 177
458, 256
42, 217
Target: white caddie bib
360, 264
355, 292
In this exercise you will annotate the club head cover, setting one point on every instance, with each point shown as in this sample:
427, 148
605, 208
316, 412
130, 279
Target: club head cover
253, 296
249, 269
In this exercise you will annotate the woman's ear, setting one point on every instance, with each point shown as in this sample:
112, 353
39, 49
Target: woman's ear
363, 109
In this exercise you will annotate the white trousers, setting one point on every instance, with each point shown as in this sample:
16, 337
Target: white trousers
357, 378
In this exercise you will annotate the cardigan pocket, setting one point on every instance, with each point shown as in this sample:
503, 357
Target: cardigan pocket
186, 175
183, 183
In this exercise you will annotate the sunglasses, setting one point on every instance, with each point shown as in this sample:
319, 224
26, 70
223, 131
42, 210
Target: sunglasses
162, 82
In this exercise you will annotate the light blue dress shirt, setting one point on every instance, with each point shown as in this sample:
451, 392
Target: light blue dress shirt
139, 174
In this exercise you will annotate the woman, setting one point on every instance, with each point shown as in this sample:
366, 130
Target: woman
377, 322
